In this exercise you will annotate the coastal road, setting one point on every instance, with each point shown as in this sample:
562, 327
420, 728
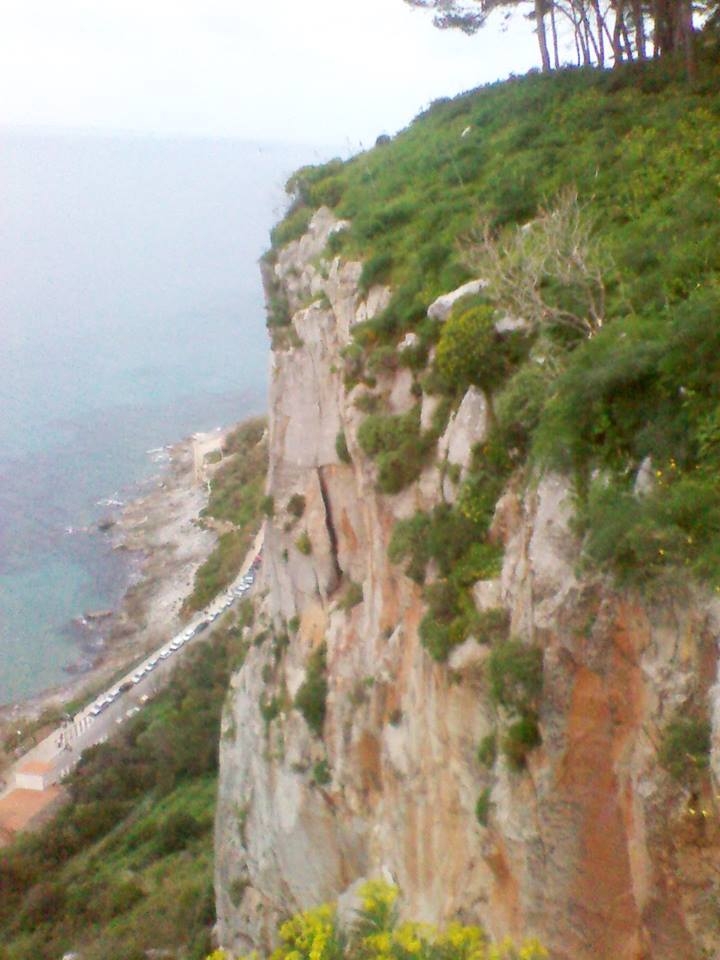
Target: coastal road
55, 756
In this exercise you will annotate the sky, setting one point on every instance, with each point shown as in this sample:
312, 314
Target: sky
323, 71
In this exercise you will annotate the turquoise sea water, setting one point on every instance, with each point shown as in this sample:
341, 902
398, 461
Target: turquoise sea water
130, 316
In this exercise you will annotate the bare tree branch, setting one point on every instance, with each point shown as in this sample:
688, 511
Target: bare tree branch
548, 272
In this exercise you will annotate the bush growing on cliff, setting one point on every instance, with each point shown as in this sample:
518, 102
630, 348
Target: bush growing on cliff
487, 750
519, 406
521, 737
311, 698
399, 447
492, 625
292, 227
685, 747
450, 619
341, 448
515, 672
296, 505
482, 807
352, 597
304, 543
472, 352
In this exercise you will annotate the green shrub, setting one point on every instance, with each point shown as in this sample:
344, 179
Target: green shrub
482, 807
311, 698
492, 625
367, 402
383, 360
487, 750
352, 597
281, 641
220, 569
296, 505
398, 446
515, 672
304, 544
376, 269
292, 227
521, 737
481, 561
176, 832
341, 448
471, 351
353, 357
236, 890
449, 620
519, 406
409, 541
685, 747
278, 310
321, 774
270, 709
124, 896
267, 505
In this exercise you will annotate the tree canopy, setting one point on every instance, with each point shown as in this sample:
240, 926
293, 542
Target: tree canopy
603, 32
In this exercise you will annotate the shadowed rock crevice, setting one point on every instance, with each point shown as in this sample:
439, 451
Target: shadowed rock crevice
330, 526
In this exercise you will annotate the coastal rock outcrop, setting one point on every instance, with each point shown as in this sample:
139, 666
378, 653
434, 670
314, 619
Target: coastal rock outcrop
347, 752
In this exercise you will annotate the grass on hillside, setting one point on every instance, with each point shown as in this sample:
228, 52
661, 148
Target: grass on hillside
126, 866
639, 145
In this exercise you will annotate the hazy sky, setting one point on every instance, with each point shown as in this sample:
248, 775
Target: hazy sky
333, 71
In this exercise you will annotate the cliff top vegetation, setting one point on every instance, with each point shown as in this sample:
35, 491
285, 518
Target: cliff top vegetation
626, 401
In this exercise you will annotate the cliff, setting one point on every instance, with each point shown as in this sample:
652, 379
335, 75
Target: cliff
591, 846
537, 753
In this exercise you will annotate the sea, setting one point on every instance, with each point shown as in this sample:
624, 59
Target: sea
131, 316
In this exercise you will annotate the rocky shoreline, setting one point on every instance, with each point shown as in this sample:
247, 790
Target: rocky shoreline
162, 532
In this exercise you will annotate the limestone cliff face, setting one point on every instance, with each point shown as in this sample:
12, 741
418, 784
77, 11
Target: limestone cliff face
593, 847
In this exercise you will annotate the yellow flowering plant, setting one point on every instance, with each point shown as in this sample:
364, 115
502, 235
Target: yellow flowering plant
376, 934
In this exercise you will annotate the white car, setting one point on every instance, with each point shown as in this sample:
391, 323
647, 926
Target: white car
165, 654
137, 677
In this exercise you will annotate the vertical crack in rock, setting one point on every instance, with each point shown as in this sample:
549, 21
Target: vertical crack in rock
330, 526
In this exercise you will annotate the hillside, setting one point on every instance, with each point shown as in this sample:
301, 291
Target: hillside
485, 663
126, 866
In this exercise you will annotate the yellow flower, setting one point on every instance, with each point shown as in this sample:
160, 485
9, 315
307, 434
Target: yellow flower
409, 938
377, 893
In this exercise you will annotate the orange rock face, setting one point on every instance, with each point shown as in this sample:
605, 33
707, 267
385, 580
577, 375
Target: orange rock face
592, 847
